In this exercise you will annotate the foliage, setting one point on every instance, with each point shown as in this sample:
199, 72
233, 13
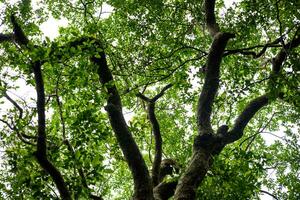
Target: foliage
147, 45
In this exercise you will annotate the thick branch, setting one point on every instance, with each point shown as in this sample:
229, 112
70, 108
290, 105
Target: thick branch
212, 26
132, 154
164, 190
241, 122
158, 143
211, 82
256, 104
281, 56
19, 34
41, 153
6, 37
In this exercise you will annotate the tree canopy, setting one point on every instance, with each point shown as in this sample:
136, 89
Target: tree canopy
158, 99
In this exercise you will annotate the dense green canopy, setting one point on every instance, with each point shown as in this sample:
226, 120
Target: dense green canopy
156, 99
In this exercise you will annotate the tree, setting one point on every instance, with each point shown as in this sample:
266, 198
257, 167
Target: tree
203, 84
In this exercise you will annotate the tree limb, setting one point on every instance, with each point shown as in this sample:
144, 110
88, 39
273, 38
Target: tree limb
132, 154
156, 133
19, 35
241, 122
14, 103
211, 82
164, 190
70, 147
206, 144
268, 193
41, 153
6, 37
256, 104
210, 19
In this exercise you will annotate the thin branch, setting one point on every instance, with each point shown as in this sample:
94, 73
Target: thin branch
156, 132
68, 144
268, 193
15, 129
245, 51
41, 153
259, 131
278, 16
154, 99
14, 103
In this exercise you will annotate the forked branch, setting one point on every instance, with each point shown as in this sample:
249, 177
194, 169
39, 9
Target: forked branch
256, 104
156, 133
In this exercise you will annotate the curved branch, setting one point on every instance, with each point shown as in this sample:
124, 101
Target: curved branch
132, 154
268, 193
211, 82
241, 122
256, 104
41, 153
156, 133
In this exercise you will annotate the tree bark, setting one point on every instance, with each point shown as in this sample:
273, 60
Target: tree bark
132, 154
41, 153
